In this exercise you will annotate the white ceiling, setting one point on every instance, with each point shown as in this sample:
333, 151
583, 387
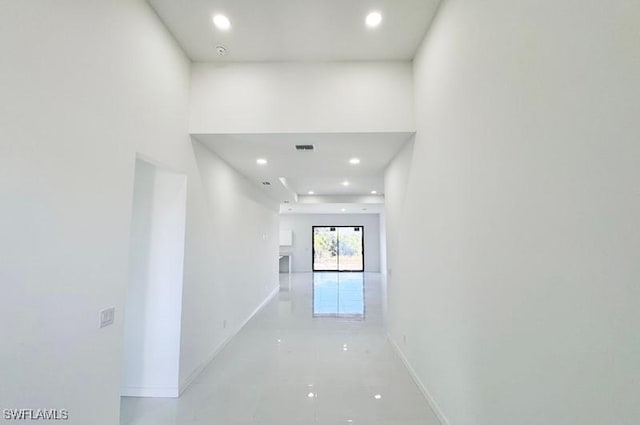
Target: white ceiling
321, 171
330, 208
298, 30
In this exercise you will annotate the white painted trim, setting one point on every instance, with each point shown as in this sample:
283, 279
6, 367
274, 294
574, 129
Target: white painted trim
163, 392
434, 406
197, 371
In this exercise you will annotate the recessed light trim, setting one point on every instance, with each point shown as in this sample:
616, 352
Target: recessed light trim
311, 192
373, 19
222, 22
354, 161
345, 183
374, 192
261, 161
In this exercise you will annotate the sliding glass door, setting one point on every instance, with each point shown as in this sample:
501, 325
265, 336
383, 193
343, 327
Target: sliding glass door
338, 248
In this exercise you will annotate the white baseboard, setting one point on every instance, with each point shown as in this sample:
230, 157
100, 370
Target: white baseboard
434, 406
166, 392
198, 370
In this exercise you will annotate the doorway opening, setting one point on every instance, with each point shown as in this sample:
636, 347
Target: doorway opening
153, 302
338, 249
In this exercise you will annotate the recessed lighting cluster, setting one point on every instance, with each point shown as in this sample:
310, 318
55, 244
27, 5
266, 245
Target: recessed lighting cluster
345, 183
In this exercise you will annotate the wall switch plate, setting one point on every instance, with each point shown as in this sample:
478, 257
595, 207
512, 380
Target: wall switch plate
107, 316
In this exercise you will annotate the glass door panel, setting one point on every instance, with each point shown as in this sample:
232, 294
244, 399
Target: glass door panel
350, 256
325, 249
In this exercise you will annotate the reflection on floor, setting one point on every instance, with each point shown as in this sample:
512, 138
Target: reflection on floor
288, 367
338, 295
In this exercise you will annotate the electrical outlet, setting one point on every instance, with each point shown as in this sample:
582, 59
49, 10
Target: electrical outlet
107, 316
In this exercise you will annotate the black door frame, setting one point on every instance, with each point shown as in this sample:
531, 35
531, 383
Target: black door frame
313, 249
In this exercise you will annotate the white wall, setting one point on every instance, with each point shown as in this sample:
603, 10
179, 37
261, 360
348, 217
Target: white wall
240, 228
84, 87
302, 97
515, 257
383, 243
153, 301
302, 227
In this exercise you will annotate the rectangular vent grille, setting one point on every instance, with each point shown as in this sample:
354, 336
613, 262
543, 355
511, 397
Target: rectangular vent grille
305, 147
266, 183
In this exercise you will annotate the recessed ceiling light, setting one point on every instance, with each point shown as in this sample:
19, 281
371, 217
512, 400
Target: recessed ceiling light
343, 209
354, 161
222, 22
311, 395
374, 192
377, 396
261, 161
311, 192
345, 183
373, 19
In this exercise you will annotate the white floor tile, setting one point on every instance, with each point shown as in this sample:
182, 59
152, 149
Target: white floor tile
288, 367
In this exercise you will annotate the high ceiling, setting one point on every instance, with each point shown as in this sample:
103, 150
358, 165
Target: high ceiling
322, 171
298, 30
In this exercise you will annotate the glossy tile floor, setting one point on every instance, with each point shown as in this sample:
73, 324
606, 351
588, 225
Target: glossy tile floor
316, 354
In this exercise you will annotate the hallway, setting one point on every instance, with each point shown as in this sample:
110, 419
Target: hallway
288, 367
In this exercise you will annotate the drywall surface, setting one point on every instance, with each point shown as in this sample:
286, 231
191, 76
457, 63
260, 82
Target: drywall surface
302, 224
302, 97
153, 301
513, 247
239, 268
85, 86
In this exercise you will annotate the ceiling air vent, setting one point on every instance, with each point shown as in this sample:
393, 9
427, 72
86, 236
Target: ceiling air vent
305, 147
266, 183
